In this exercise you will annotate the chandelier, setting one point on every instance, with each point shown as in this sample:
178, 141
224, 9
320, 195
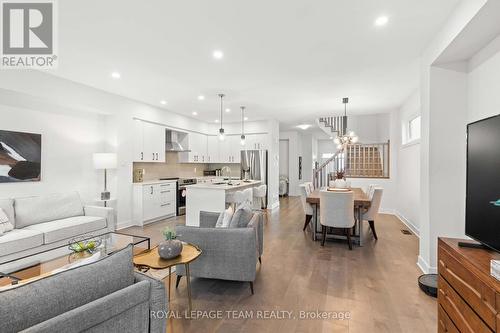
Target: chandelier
344, 136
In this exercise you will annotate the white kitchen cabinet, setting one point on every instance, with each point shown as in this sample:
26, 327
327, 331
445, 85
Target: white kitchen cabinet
149, 142
256, 142
154, 201
213, 149
198, 149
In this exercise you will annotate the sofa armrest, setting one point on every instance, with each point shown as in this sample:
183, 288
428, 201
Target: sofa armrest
228, 254
208, 219
158, 305
104, 212
258, 225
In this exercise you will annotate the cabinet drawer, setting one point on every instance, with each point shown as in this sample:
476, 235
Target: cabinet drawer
464, 318
167, 186
167, 208
476, 293
445, 324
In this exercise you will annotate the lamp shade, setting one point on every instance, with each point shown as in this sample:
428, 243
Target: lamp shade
104, 160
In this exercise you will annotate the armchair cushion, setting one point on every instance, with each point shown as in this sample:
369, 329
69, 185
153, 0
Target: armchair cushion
241, 218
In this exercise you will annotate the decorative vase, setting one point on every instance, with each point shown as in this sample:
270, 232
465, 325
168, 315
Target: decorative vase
170, 249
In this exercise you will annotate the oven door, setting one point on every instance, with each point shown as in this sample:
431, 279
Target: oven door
181, 201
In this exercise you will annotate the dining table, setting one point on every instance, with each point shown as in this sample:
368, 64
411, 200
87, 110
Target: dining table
361, 203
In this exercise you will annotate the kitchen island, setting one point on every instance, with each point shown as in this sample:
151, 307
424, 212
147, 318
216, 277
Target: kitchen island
211, 197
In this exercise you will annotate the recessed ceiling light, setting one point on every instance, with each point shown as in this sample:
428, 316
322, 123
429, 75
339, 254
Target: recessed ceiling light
246, 118
163, 102
216, 120
115, 75
201, 97
228, 110
194, 113
381, 21
218, 54
303, 126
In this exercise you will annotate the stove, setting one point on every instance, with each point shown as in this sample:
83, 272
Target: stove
181, 194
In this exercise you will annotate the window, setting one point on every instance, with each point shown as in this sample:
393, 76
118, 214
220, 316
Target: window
411, 130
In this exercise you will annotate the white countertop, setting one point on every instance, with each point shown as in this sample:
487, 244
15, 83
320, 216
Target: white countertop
238, 184
151, 182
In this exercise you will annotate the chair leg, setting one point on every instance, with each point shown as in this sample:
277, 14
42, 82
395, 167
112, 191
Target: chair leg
260, 260
251, 287
179, 277
306, 223
323, 229
372, 226
349, 241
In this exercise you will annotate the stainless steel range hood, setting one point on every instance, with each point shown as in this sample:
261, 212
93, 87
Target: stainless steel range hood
173, 142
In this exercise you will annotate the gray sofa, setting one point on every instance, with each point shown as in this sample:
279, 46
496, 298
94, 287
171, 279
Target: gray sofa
228, 253
45, 222
105, 296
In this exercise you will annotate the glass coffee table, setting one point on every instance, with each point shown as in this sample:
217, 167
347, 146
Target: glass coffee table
46, 262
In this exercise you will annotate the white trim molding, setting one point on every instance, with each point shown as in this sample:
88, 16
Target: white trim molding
424, 266
125, 224
408, 223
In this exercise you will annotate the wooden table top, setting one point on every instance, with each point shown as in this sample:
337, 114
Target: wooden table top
151, 259
360, 198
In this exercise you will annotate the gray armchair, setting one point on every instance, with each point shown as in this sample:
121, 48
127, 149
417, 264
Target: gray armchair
228, 253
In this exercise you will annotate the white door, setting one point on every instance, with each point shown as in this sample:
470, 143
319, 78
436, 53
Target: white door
149, 202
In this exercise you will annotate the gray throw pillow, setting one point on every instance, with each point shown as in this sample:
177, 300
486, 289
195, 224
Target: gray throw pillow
241, 218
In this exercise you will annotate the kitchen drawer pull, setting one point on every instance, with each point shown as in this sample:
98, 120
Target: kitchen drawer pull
167, 204
166, 191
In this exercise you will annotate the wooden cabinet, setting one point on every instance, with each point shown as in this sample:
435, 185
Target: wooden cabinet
468, 295
149, 142
154, 201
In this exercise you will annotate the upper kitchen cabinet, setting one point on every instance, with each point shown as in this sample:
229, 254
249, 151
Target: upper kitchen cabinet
149, 142
213, 149
256, 142
197, 144
230, 149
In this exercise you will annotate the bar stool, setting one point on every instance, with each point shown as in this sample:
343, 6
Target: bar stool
259, 193
235, 199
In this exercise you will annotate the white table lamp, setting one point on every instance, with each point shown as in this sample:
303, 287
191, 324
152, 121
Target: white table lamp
105, 161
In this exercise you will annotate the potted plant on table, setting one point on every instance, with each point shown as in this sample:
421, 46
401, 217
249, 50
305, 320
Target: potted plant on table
171, 247
340, 180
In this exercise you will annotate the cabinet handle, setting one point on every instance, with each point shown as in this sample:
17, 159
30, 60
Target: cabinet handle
142, 155
165, 191
157, 156
151, 189
167, 204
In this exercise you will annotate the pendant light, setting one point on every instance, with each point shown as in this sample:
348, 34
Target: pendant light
346, 137
242, 141
221, 129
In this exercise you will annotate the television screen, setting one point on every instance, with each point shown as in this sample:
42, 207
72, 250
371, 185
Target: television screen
483, 182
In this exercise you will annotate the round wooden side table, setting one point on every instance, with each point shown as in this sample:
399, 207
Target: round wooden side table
151, 259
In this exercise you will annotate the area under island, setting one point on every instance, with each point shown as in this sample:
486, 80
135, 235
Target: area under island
211, 197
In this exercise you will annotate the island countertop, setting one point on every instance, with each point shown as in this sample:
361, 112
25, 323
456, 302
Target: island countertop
237, 185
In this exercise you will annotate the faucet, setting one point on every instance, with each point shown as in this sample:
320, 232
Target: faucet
226, 171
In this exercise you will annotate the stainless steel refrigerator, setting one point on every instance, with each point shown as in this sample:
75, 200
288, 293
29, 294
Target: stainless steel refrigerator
254, 166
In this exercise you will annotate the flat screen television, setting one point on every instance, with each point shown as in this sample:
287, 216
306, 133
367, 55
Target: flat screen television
482, 214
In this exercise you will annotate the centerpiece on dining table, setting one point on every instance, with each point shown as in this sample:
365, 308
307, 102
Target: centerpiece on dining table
340, 183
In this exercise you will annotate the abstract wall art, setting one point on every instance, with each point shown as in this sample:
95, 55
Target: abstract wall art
20, 157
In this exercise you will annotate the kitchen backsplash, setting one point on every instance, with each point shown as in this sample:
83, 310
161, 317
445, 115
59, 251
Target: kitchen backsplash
171, 168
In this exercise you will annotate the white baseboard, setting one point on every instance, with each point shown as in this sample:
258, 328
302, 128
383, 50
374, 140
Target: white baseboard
424, 266
125, 224
408, 223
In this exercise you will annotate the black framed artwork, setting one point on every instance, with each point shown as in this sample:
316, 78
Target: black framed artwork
20, 156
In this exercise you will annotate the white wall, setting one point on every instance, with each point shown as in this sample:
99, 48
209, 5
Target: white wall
293, 162
68, 142
408, 165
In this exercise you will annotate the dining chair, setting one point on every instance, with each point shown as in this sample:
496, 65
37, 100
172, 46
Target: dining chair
310, 186
337, 211
308, 210
369, 190
372, 213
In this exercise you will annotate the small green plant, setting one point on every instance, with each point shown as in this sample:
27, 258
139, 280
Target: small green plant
169, 233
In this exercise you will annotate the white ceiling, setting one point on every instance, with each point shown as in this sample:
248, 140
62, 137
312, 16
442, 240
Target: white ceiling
292, 60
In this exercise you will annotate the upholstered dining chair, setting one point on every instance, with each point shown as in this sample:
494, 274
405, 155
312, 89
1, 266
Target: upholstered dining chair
310, 186
337, 211
308, 210
372, 213
369, 190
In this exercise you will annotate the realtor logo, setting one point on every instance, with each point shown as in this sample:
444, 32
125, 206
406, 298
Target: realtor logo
28, 31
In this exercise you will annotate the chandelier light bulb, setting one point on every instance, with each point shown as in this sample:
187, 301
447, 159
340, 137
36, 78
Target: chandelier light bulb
242, 141
354, 139
336, 141
221, 134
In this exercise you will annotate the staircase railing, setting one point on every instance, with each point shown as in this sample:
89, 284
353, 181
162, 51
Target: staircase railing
356, 161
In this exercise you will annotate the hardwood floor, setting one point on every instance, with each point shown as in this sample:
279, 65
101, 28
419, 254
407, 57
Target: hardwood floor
376, 284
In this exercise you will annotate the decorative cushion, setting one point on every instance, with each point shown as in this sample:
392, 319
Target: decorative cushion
8, 207
241, 217
19, 240
5, 224
34, 210
225, 218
